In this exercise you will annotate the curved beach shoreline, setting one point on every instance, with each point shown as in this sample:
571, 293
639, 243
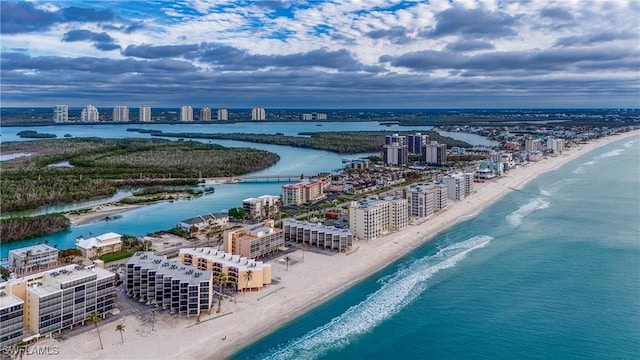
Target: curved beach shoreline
256, 314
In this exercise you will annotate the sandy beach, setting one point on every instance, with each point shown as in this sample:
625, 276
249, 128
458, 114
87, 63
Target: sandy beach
98, 213
255, 314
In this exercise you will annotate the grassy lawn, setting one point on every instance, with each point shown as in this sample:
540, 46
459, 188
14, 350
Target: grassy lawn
117, 256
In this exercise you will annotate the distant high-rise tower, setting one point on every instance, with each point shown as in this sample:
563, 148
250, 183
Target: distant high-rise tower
60, 113
145, 113
434, 153
120, 113
223, 114
186, 113
205, 114
90, 114
416, 141
258, 113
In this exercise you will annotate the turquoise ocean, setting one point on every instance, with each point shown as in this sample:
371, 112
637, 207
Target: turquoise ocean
551, 272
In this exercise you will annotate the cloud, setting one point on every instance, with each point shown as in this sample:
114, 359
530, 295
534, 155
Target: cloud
395, 34
469, 45
592, 39
147, 51
23, 17
101, 41
477, 23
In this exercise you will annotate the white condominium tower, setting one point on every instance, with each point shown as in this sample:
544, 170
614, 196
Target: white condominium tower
186, 113
60, 113
145, 113
120, 113
205, 114
223, 114
90, 114
258, 113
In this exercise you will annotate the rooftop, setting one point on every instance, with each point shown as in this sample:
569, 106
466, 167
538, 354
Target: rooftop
35, 249
184, 273
226, 259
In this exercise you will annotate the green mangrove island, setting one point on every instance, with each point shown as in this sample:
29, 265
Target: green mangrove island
67, 170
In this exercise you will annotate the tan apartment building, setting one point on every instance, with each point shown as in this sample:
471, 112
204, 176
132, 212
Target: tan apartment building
426, 199
94, 247
303, 192
53, 300
254, 241
370, 218
265, 206
243, 274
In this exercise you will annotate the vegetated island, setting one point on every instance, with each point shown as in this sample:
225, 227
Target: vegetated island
341, 142
18, 228
69, 170
32, 134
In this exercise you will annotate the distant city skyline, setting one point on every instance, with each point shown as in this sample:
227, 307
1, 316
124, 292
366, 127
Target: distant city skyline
378, 54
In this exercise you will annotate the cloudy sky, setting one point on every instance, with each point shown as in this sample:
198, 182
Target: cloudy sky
322, 54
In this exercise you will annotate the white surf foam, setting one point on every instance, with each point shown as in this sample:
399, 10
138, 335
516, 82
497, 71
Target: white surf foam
397, 291
611, 153
545, 192
515, 218
629, 144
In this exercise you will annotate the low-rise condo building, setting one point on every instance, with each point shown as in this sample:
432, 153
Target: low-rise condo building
99, 245
243, 274
204, 222
325, 237
303, 192
41, 256
254, 241
173, 286
265, 206
370, 218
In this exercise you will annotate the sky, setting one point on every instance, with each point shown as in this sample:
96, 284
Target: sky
297, 54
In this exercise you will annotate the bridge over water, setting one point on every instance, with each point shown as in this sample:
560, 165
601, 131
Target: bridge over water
286, 178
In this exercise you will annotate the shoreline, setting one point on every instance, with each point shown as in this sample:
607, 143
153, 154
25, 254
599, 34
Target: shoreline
259, 313
99, 213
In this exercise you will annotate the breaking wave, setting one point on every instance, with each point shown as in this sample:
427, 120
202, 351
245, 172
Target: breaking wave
516, 217
396, 291
611, 153
629, 144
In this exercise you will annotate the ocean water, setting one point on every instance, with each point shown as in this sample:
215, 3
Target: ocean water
552, 272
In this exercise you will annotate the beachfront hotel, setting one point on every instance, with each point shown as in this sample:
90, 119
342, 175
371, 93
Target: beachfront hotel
120, 113
258, 113
39, 304
246, 274
302, 192
144, 113
254, 241
426, 199
318, 235
90, 114
223, 114
33, 257
99, 245
370, 218
264, 206
182, 289
60, 113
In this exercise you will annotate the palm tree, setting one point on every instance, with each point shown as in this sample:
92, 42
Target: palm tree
235, 295
153, 320
304, 248
286, 260
94, 318
222, 280
94, 252
120, 328
20, 349
27, 257
98, 252
248, 276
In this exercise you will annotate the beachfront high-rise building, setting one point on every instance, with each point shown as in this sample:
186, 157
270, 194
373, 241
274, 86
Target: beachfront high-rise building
318, 235
205, 114
168, 284
532, 145
459, 185
235, 267
90, 114
421, 199
12, 317
435, 154
120, 113
555, 145
145, 113
395, 154
40, 256
415, 142
258, 113
302, 192
60, 113
186, 113
369, 218
223, 114
254, 241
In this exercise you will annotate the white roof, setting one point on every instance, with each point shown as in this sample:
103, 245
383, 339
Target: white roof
107, 239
